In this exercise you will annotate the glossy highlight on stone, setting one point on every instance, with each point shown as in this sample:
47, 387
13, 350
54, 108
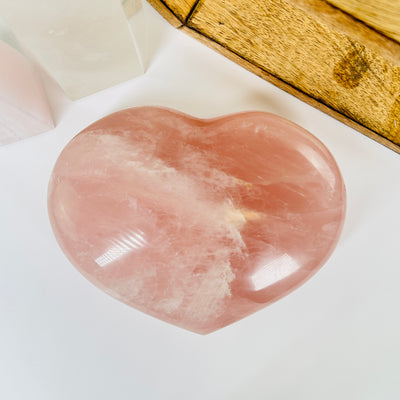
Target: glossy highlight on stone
196, 222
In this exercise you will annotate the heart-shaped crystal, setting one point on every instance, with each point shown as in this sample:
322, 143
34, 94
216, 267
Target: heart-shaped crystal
196, 222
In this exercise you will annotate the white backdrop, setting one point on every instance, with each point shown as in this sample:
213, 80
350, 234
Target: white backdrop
336, 337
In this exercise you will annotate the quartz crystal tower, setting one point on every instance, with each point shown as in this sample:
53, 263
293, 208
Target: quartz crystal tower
24, 109
85, 45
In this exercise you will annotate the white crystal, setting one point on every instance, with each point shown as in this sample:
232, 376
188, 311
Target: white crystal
85, 45
24, 109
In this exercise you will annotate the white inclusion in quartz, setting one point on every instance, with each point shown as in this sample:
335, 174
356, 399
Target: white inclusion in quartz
274, 271
133, 241
214, 287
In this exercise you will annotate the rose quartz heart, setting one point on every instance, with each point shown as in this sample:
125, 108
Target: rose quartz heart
196, 222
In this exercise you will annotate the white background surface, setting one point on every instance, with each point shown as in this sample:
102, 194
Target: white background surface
336, 337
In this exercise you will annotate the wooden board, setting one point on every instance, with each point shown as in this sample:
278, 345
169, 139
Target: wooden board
310, 49
383, 15
181, 8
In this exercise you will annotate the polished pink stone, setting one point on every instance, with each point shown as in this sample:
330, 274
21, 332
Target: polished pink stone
196, 222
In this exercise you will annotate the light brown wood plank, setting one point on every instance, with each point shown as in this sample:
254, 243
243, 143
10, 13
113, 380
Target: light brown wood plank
310, 49
383, 15
308, 44
181, 8
291, 89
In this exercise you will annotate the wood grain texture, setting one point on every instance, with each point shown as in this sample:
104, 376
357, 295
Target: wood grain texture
383, 15
181, 8
313, 51
292, 90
